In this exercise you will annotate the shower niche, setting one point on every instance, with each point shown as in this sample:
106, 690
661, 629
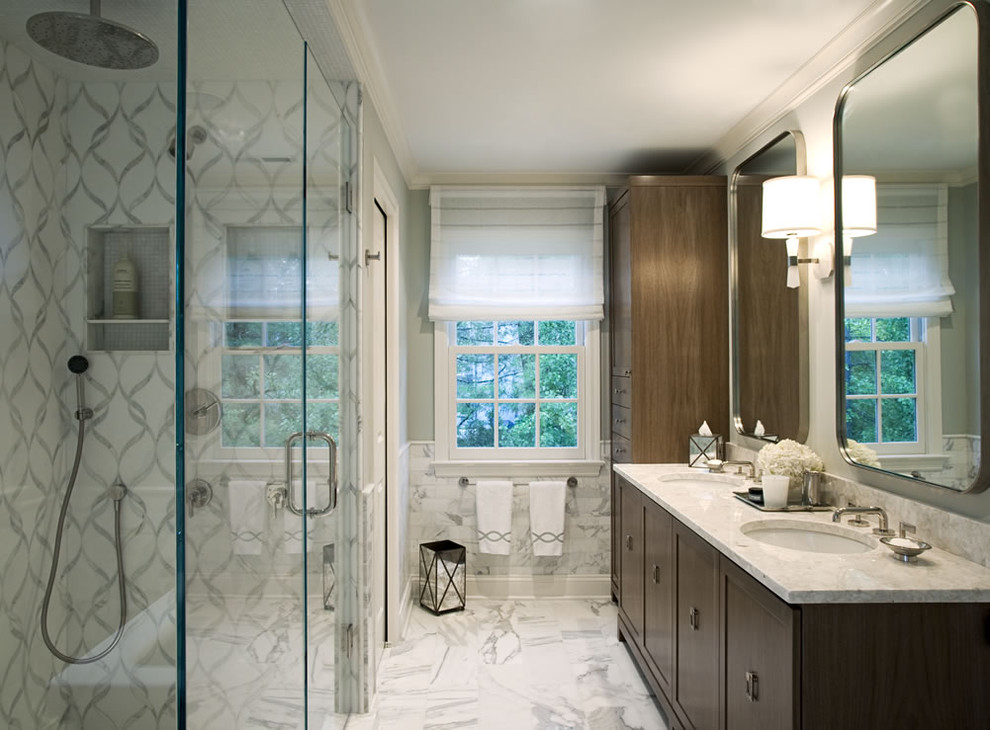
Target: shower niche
129, 288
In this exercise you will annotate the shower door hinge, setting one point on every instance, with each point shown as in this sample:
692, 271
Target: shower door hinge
348, 197
349, 640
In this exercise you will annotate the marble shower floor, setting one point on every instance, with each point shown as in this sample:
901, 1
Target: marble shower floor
515, 665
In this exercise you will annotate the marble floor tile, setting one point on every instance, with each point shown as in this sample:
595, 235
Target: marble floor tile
540, 665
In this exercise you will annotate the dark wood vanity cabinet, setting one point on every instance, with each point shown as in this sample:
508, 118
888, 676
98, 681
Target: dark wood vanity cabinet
722, 652
668, 319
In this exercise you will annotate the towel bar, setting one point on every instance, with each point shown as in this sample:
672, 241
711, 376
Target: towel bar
463, 481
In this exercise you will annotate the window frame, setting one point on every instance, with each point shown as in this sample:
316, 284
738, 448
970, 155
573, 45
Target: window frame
928, 388
582, 460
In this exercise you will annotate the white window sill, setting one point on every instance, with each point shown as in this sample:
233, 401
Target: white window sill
516, 469
913, 462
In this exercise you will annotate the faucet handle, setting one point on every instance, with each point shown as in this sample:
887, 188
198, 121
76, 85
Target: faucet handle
905, 527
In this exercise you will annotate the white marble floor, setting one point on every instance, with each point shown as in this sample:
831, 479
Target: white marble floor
511, 664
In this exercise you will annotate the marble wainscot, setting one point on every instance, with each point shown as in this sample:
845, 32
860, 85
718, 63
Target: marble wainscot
706, 505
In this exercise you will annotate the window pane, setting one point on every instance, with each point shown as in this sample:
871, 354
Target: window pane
517, 376
897, 372
516, 333
475, 425
321, 334
323, 417
558, 425
241, 424
321, 377
517, 425
900, 419
859, 329
475, 376
475, 333
283, 377
861, 372
861, 420
559, 332
558, 376
897, 329
281, 421
240, 377
242, 334
284, 334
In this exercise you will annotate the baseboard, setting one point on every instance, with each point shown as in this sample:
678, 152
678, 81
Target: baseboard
539, 586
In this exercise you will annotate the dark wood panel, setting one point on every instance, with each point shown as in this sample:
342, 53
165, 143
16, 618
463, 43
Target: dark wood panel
658, 599
621, 286
621, 421
760, 639
616, 525
770, 348
631, 562
621, 449
679, 315
696, 626
904, 666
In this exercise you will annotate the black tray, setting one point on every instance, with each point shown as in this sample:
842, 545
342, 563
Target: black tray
744, 497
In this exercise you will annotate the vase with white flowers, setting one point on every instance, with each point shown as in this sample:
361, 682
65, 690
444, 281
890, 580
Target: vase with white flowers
788, 458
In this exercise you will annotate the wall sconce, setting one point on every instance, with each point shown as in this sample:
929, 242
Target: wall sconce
859, 215
792, 210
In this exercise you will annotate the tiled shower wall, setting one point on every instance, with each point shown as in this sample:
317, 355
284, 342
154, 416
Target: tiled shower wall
441, 509
33, 428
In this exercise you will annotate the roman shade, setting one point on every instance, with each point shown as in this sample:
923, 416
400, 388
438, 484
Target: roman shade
903, 270
516, 253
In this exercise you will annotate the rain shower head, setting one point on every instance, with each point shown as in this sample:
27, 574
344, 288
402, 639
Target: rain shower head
78, 364
92, 40
196, 136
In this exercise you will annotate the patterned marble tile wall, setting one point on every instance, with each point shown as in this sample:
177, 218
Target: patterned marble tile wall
33, 434
439, 508
963, 452
118, 173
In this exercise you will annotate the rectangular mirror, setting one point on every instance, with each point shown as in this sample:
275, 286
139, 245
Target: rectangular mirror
769, 319
910, 189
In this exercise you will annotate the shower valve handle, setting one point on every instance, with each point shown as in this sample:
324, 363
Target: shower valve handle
276, 495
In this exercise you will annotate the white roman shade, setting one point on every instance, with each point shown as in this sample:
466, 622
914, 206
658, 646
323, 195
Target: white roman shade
516, 253
903, 270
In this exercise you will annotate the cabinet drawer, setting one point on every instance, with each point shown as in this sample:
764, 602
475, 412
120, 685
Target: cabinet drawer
621, 391
622, 421
621, 449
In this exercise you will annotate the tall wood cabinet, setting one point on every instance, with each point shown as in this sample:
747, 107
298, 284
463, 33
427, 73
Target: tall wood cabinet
668, 317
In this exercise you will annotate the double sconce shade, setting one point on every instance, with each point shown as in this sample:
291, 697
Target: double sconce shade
792, 209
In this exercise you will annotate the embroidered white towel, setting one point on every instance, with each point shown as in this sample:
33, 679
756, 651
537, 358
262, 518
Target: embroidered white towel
546, 517
292, 524
246, 507
493, 503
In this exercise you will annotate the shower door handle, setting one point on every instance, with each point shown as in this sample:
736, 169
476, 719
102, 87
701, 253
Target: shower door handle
331, 480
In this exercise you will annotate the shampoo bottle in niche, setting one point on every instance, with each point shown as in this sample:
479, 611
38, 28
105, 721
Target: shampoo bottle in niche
125, 288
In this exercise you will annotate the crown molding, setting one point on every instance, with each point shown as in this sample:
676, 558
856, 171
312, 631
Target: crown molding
837, 57
368, 68
518, 178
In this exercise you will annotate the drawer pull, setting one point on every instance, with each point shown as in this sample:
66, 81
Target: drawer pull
620, 420
629, 542
656, 574
694, 618
619, 391
619, 450
752, 686
627, 371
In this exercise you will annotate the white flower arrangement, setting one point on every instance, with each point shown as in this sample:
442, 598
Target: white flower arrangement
788, 458
862, 454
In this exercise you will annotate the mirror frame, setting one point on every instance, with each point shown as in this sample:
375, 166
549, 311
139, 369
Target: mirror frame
800, 168
982, 12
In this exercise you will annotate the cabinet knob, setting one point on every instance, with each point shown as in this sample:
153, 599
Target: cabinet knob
620, 420
656, 574
627, 371
629, 542
619, 391
752, 686
694, 618
620, 450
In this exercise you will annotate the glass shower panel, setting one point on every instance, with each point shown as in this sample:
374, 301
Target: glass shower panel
86, 184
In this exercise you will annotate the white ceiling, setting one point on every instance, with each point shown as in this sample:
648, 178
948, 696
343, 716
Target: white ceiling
575, 87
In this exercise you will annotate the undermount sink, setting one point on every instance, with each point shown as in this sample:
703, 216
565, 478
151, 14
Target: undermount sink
698, 479
811, 537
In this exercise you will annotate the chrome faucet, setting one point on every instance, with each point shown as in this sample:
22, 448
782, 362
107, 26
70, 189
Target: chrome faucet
719, 466
878, 511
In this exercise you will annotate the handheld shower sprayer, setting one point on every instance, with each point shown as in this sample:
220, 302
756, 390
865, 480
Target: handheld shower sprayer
77, 366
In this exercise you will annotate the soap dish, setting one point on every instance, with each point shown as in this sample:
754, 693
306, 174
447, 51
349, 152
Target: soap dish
905, 548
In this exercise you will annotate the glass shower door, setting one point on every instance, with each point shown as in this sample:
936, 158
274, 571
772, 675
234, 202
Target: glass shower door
265, 450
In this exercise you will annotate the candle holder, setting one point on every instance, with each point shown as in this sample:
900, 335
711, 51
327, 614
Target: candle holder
442, 573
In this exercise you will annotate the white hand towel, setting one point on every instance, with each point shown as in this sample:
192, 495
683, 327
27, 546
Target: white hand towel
493, 503
546, 517
292, 525
246, 507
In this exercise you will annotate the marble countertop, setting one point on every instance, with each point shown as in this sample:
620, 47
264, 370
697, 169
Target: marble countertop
704, 502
